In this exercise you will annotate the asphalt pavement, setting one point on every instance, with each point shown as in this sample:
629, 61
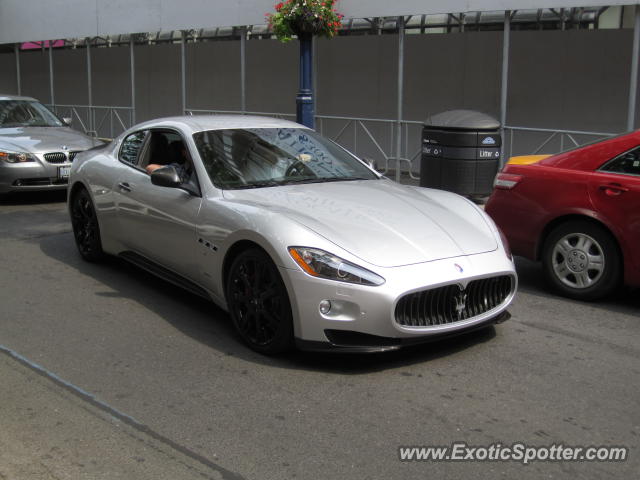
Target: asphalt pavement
107, 372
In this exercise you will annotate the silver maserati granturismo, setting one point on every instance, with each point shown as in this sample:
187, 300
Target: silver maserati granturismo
299, 240
36, 147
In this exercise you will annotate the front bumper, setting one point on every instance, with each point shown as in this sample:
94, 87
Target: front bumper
363, 318
29, 176
344, 341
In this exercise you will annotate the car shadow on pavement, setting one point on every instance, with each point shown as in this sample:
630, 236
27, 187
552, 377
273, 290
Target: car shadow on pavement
204, 322
531, 281
34, 198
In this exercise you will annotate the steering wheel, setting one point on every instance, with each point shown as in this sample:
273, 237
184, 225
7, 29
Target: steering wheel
298, 169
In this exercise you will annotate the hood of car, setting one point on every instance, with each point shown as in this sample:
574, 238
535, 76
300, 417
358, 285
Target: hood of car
379, 221
44, 139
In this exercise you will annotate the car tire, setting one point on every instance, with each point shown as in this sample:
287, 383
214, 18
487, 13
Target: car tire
581, 260
86, 230
258, 303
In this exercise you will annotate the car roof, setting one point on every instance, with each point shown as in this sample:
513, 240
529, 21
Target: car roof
593, 156
199, 123
17, 97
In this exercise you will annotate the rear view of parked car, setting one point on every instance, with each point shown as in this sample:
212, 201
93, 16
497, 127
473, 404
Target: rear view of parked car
577, 212
36, 147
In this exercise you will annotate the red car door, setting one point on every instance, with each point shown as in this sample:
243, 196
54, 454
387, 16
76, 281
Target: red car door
615, 193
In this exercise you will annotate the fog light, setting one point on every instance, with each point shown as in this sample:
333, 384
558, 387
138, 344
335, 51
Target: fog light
325, 307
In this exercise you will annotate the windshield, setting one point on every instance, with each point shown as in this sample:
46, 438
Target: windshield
24, 113
265, 157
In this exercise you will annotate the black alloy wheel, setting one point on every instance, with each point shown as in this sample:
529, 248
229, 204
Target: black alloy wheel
86, 230
258, 303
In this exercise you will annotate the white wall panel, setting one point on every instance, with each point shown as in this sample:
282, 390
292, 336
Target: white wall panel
23, 21
33, 20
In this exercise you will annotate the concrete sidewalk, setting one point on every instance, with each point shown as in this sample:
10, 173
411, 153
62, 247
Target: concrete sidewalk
49, 430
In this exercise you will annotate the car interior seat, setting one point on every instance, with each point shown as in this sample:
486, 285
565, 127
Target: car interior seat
159, 149
175, 154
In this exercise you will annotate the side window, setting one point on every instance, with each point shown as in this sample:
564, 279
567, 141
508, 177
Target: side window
131, 148
165, 147
627, 163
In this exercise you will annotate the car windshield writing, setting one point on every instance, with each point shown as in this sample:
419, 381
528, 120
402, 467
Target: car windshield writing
23, 113
264, 157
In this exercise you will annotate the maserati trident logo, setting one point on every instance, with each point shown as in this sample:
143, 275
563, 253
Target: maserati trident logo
461, 303
458, 267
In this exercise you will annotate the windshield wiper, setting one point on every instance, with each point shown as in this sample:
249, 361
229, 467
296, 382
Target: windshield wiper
324, 180
278, 183
266, 183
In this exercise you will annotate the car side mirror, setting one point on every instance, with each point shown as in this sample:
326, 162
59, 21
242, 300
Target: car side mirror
166, 177
67, 121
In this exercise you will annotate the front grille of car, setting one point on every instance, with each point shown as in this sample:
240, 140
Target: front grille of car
451, 303
56, 157
60, 157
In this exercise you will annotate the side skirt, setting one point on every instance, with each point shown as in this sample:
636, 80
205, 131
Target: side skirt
164, 273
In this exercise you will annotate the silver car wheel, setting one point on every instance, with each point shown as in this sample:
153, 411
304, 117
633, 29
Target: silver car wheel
578, 260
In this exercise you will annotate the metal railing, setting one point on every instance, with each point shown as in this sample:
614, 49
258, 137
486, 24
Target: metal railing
373, 139
97, 120
532, 141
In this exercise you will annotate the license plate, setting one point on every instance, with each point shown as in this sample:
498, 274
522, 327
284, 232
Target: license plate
63, 172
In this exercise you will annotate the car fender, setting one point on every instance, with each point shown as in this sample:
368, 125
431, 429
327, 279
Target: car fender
92, 172
574, 214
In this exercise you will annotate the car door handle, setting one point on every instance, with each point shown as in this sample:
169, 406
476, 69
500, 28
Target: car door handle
613, 189
124, 186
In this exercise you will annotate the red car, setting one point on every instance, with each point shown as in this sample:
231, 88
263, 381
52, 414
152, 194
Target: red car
578, 212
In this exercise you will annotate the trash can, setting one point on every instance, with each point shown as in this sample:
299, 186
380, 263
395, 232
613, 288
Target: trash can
460, 152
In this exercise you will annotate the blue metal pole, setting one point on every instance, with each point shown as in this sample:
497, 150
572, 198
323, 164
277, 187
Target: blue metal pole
304, 100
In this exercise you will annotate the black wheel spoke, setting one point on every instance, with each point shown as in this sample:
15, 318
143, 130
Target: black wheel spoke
241, 297
269, 293
270, 319
256, 298
244, 278
258, 274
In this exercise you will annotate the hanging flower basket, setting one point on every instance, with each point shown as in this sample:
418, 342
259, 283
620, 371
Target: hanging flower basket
303, 18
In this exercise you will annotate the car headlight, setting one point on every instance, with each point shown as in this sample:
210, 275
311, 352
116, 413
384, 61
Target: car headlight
16, 157
319, 263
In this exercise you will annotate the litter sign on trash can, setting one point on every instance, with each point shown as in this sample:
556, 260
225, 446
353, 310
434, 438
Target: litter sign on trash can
460, 152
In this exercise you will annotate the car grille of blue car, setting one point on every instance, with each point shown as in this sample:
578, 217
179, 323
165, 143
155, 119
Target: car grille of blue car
60, 157
453, 303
